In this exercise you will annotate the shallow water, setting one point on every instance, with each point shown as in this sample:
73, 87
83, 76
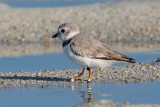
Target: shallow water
51, 3
71, 95
136, 93
57, 61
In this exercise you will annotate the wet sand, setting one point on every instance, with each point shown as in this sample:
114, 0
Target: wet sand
139, 72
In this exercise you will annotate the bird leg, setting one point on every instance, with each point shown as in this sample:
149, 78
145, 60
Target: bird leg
79, 75
90, 74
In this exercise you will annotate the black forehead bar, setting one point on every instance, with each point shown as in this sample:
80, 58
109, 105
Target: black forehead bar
61, 26
64, 25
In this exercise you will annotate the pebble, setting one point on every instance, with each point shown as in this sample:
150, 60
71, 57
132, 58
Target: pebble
139, 72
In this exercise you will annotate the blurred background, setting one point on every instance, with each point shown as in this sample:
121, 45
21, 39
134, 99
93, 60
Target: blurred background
26, 26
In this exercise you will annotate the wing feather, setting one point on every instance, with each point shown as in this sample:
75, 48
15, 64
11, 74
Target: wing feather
89, 47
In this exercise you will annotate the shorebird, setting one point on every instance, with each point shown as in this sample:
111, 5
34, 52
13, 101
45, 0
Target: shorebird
85, 50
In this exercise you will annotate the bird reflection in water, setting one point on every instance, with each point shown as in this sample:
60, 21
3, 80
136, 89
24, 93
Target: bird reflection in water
86, 95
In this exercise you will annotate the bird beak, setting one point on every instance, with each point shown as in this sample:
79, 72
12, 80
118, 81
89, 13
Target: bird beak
55, 35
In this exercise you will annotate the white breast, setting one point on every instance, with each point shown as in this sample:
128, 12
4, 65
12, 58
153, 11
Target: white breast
86, 62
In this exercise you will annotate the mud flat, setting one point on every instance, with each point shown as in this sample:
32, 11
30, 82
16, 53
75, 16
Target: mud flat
133, 25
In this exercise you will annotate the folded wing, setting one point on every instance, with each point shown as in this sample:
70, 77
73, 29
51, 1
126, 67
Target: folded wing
89, 47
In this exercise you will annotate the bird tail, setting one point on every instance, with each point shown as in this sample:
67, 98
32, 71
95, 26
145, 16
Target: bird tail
126, 59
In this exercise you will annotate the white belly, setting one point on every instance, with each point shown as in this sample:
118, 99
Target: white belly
87, 62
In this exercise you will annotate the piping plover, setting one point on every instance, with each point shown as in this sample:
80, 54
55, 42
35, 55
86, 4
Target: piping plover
85, 50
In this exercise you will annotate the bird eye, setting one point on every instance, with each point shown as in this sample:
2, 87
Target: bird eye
62, 30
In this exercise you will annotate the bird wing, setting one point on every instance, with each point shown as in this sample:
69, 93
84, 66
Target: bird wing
89, 47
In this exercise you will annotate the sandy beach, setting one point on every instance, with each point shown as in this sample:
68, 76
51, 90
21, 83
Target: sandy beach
140, 72
131, 25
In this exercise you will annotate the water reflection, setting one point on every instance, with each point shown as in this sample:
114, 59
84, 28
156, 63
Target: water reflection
89, 97
86, 93
80, 94
93, 94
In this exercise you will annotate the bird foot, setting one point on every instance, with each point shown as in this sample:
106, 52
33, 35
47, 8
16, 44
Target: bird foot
72, 80
89, 80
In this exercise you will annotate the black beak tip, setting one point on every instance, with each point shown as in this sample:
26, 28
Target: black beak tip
55, 35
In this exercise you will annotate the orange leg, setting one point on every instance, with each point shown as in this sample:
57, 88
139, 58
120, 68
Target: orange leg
79, 75
90, 74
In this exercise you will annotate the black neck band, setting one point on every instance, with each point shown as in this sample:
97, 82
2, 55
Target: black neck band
65, 43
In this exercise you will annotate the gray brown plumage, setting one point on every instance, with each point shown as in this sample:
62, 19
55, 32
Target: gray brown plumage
95, 49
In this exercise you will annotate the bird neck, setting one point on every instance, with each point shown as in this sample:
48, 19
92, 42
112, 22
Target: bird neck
66, 42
